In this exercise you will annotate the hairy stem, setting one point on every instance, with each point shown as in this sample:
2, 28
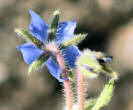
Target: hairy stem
68, 92
80, 87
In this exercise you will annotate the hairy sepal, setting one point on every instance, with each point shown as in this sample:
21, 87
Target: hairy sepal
38, 63
88, 65
29, 37
54, 25
73, 41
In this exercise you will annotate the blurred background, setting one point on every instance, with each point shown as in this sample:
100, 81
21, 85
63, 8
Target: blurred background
109, 24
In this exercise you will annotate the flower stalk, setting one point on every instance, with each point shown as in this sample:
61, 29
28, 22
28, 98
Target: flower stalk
80, 90
68, 94
67, 87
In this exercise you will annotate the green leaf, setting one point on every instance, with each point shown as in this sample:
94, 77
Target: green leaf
89, 104
73, 41
30, 37
54, 25
105, 96
38, 63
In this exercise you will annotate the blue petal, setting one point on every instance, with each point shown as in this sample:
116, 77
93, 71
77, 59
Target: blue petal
38, 27
65, 31
70, 55
54, 69
30, 52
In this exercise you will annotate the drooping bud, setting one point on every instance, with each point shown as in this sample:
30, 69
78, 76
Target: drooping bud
29, 37
93, 63
73, 41
38, 63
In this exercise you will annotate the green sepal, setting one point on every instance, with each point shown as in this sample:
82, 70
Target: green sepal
55, 20
87, 73
54, 25
29, 37
71, 75
109, 71
106, 67
89, 104
88, 65
38, 63
105, 95
73, 41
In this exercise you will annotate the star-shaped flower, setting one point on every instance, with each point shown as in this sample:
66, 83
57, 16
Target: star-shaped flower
40, 30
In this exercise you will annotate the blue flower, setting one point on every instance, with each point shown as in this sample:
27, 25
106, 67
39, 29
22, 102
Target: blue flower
40, 29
